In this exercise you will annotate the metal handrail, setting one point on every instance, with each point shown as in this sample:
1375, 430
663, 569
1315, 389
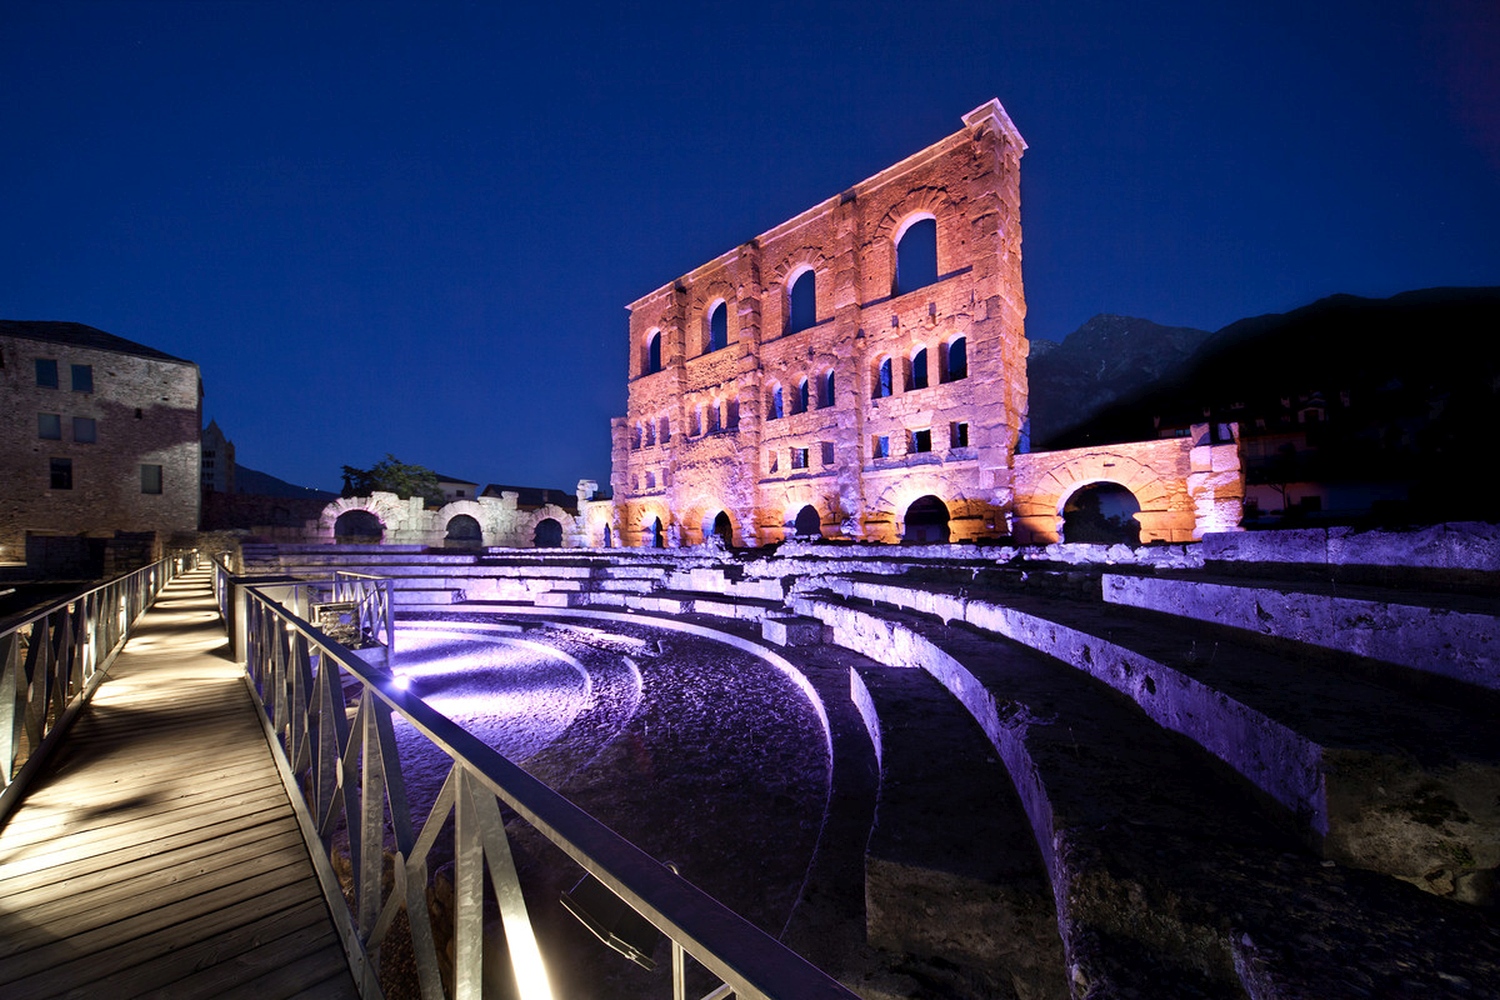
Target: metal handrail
52, 660
350, 769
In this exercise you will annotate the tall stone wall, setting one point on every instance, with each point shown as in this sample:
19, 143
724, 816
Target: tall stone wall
701, 437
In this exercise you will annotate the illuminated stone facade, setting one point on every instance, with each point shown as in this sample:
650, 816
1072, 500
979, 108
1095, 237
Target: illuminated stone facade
100, 435
859, 372
851, 361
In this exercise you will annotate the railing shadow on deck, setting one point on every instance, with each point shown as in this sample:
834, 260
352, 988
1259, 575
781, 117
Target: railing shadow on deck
53, 659
330, 712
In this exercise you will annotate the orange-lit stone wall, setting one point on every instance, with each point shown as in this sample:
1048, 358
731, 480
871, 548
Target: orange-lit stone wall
700, 437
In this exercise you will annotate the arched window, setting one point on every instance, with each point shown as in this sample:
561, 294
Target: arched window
653, 353
802, 305
956, 360
695, 421
917, 378
916, 257
884, 384
463, 532
825, 390
808, 524
650, 438
775, 404
635, 438
800, 404
664, 430
718, 328
732, 414
713, 417
358, 526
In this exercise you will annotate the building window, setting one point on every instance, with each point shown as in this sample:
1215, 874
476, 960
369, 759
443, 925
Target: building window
802, 307
799, 458
775, 405
648, 437
880, 446
635, 438
883, 380
650, 480
150, 479
718, 328
653, 352
714, 422
62, 474
695, 421
49, 426
83, 378
918, 376
825, 390
956, 360
771, 462
919, 442
916, 257
732, 414
958, 435
826, 447
799, 405
664, 430
85, 431
46, 373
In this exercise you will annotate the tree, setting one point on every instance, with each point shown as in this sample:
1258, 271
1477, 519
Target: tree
391, 475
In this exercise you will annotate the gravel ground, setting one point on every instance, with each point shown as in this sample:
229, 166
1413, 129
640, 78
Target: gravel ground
699, 753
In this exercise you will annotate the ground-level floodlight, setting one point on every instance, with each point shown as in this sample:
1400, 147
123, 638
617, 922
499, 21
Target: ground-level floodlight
612, 920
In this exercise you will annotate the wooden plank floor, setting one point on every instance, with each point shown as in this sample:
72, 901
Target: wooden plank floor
160, 855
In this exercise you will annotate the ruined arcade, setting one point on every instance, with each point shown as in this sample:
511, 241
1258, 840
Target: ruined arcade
852, 361
859, 372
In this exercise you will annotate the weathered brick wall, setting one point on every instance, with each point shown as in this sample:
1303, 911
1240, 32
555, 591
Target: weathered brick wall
145, 410
753, 471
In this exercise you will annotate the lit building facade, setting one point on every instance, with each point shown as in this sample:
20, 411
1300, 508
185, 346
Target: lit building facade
99, 435
858, 371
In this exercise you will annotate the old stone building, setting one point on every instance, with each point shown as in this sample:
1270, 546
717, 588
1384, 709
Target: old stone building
857, 371
99, 435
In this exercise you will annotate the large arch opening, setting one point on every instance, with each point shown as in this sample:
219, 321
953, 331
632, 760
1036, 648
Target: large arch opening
1104, 513
723, 529
358, 527
926, 522
548, 534
463, 532
916, 256
809, 523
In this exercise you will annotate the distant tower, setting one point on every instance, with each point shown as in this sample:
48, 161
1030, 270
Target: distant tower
218, 460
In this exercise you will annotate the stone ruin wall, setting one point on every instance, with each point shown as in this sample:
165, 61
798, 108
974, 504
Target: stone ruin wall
969, 183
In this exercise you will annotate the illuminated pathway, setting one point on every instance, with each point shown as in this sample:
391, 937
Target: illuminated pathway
161, 855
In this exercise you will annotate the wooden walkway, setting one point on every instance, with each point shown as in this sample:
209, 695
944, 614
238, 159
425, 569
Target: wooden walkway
160, 855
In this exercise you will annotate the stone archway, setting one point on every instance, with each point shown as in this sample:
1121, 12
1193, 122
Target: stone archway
654, 536
548, 534
463, 532
1102, 512
723, 529
926, 522
358, 527
808, 523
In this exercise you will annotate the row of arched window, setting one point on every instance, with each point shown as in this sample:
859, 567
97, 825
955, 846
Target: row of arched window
916, 267
913, 371
807, 394
817, 392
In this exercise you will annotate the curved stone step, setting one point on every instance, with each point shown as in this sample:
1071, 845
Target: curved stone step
1383, 776
1165, 868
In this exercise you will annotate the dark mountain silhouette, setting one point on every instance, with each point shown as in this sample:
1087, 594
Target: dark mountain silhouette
1107, 360
1347, 389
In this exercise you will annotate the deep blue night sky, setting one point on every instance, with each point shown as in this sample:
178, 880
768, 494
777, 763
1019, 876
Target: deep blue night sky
414, 228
